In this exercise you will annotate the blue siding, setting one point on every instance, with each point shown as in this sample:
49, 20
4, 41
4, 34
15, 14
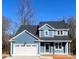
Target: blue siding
51, 34
25, 38
42, 49
59, 51
41, 33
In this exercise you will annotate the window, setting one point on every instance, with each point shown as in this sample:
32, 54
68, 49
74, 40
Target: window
17, 45
46, 32
60, 32
33, 45
58, 45
28, 45
22, 45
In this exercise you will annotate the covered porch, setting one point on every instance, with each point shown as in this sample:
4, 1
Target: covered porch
54, 47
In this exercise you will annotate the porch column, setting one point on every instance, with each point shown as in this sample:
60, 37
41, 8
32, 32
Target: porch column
66, 48
11, 48
39, 48
53, 47
69, 47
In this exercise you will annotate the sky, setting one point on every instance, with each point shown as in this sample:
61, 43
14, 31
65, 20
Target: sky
44, 10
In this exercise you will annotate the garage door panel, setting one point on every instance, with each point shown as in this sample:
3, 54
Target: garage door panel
26, 50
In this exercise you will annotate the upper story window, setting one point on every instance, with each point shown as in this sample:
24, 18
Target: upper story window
46, 33
60, 32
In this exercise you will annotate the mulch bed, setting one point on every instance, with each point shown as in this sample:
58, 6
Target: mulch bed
62, 56
4, 55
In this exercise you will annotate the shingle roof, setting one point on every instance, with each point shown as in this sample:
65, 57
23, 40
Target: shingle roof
55, 24
31, 28
55, 38
34, 29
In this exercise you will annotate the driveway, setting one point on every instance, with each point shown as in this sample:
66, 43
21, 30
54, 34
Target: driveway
31, 57
23, 57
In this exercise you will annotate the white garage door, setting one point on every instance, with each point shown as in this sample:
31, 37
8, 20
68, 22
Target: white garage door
25, 50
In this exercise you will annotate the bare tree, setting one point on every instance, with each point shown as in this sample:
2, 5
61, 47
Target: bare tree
25, 11
6, 23
72, 26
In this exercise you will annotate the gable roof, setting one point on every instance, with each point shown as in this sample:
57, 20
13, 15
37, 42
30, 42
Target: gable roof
31, 28
12, 39
45, 25
34, 28
55, 24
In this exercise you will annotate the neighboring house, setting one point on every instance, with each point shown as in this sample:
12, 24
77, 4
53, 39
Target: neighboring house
46, 38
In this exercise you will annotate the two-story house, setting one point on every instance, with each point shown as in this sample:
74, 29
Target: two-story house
46, 38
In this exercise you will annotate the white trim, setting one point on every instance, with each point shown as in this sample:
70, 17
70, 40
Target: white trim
39, 47
45, 47
53, 33
58, 46
54, 40
12, 39
45, 25
45, 33
25, 49
11, 48
40, 34
67, 48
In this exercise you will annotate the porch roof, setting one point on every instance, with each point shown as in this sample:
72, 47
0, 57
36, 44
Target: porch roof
55, 38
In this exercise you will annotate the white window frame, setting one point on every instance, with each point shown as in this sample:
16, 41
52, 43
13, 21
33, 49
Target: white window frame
40, 34
45, 33
53, 33
60, 33
58, 46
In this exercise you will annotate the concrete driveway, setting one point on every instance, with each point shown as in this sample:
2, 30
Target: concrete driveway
31, 57
22, 57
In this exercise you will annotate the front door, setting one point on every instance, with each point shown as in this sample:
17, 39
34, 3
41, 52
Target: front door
47, 47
